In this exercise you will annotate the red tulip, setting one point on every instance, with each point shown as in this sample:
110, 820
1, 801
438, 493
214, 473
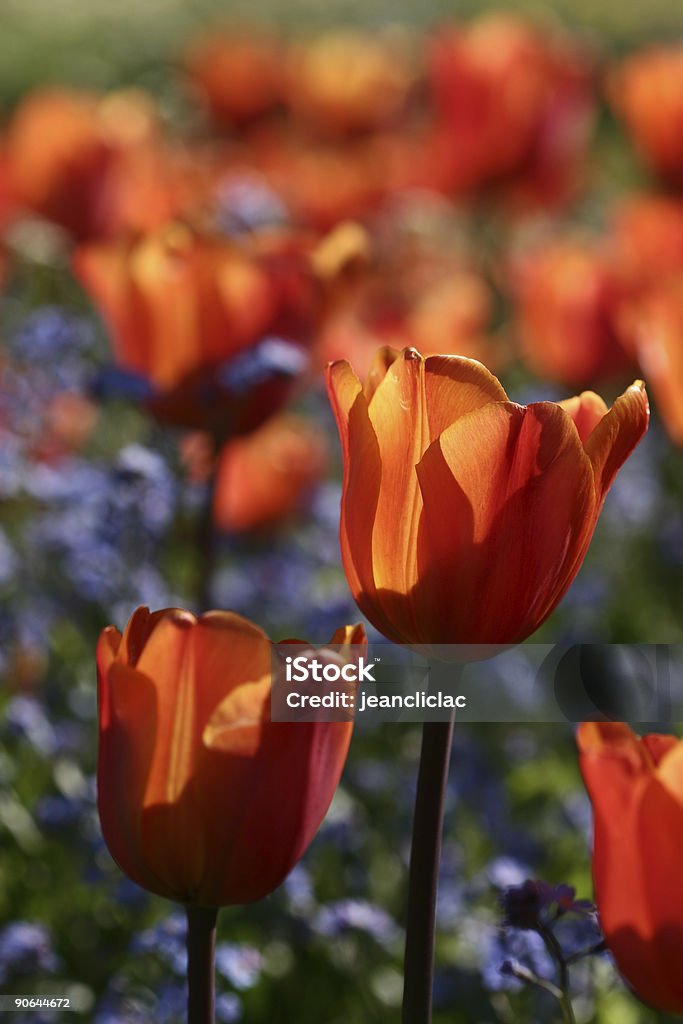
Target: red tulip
202, 798
465, 517
513, 108
636, 788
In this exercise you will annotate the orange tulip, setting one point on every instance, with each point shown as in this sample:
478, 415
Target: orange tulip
97, 165
636, 788
447, 313
345, 81
646, 91
653, 325
202, 798
646, 236
569, 296
240, 77
465, 517
323, 183
179, 306
265, 477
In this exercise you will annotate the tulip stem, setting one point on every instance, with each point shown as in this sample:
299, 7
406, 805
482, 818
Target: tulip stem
423, 876
206, 532
201, 948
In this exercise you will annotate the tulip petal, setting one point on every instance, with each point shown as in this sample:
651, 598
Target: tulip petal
586, 409
128, 718
107, 648
270, 814
361, 486
659, 745
236, 725
509, 510
416, 400
384, 359
635, 788
349, 636
616, 435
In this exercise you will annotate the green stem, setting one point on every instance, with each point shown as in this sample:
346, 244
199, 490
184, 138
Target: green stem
201, 948
206, 534
424, 871
555, 951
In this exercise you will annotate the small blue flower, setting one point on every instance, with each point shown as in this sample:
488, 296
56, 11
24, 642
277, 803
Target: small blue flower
246, 204
26, 948
25, 716
239, 964
335, 919
504, 950
267, 360
228, 1008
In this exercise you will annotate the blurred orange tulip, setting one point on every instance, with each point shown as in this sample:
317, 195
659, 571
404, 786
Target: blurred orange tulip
239, 76
653, 324
323, 182
347, 81
465, 517
646, 91
180, 305
202, 798
266, 477
646, 237
97, 165
568, 306
636, 788
513, 107
448, 314
403, 288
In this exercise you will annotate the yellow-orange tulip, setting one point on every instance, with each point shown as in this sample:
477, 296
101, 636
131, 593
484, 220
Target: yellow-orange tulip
346, 81
465, 517
202, 798
636, 787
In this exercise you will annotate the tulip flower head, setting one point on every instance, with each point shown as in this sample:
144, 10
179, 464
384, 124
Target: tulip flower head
645, 91
184, 310
202, 798
654, 326
465, 517
513, 108
569, 296
266, 477
636, 788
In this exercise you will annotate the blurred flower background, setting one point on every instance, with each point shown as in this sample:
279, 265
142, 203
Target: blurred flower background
196, 214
